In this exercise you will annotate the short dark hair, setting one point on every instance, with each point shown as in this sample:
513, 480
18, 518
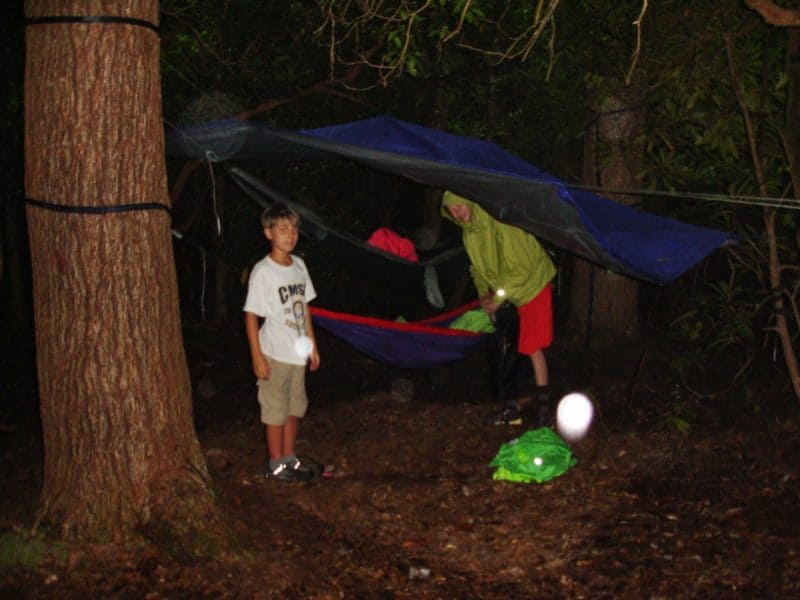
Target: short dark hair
277, 211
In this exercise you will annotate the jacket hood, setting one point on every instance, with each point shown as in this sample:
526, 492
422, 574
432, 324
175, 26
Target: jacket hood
451, 199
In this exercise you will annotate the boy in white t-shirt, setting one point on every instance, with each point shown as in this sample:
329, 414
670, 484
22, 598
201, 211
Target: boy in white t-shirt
278, 292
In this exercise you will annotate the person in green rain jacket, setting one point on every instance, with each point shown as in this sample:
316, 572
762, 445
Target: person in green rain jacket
510, 265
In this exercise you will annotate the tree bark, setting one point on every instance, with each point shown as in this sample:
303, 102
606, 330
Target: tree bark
120, 449
604, 306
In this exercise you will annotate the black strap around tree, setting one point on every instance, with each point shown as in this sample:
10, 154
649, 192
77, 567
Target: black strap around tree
97, 210
91, 20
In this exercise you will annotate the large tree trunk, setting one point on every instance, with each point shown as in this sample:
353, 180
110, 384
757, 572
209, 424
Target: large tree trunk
604, 306
119, 441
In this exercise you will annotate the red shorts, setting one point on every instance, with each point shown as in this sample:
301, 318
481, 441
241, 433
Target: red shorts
536, 322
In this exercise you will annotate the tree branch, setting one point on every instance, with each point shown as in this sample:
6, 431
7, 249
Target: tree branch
774, 14
638, 25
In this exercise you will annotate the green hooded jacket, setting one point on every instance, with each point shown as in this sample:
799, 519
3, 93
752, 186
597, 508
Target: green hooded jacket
502, 256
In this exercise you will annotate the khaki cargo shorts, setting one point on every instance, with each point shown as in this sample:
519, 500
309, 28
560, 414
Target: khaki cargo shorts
283, 394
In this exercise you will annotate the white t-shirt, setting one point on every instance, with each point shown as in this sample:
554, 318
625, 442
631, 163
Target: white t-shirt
279, 294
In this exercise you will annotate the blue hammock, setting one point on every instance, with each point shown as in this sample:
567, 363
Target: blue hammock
423, 344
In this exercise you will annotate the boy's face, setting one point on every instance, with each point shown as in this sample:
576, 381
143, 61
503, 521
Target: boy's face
283, 235
460, 212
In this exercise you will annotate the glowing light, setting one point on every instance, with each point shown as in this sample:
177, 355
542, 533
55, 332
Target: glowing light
500, 293
574, 416
303, 346
538, 461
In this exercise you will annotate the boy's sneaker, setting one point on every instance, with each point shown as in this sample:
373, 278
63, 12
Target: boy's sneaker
508, 415
285, 472
305, 467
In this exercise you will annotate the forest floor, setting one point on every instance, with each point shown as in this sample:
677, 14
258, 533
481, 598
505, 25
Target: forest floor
671, 497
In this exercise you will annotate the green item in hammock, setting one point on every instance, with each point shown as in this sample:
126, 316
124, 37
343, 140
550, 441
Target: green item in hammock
537, 455
473, 320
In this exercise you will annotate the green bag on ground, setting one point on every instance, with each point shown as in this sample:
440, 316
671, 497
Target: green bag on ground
537, 455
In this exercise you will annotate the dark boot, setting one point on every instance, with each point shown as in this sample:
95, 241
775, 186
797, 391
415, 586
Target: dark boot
544, 407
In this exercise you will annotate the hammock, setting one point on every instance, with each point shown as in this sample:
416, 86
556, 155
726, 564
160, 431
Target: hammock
422, 344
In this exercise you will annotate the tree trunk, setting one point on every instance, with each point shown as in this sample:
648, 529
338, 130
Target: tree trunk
604, 306
791, 133
120, 449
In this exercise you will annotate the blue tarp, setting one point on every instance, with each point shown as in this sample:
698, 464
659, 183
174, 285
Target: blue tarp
622, 239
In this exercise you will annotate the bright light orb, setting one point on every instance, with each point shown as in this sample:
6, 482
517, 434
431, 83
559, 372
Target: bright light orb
303, 346
538, 461
500, 293
574, 416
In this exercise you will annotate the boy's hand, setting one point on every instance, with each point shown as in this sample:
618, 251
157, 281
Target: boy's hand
313, 358
261, 366
489, 305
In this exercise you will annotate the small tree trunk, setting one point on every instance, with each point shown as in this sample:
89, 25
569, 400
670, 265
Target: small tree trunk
604, 306
791, 137
120, 450
775, 265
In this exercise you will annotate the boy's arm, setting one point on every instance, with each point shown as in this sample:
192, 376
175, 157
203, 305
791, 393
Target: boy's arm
314, 356
487, 299
260, 364
481, 285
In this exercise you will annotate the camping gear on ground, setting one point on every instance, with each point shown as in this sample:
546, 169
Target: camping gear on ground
537, 455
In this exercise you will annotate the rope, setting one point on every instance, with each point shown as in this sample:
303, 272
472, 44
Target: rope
769, 202
211, 158
203, 287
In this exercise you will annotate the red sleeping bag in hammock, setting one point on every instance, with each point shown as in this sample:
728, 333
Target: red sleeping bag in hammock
389, 241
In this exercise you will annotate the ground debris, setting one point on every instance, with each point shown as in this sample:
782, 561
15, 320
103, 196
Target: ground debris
407, 507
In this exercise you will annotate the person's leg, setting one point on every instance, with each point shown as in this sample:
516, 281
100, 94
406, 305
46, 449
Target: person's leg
275, 434
298, 405
289, 437
536, 334
540, 373
274, 408
280, 426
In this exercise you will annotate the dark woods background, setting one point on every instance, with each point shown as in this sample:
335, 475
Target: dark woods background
271, 62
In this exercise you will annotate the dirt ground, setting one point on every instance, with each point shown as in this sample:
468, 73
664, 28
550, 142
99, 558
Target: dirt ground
671, 497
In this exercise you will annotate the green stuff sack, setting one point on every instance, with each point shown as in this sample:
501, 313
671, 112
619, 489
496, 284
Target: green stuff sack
473, 320
537, 455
